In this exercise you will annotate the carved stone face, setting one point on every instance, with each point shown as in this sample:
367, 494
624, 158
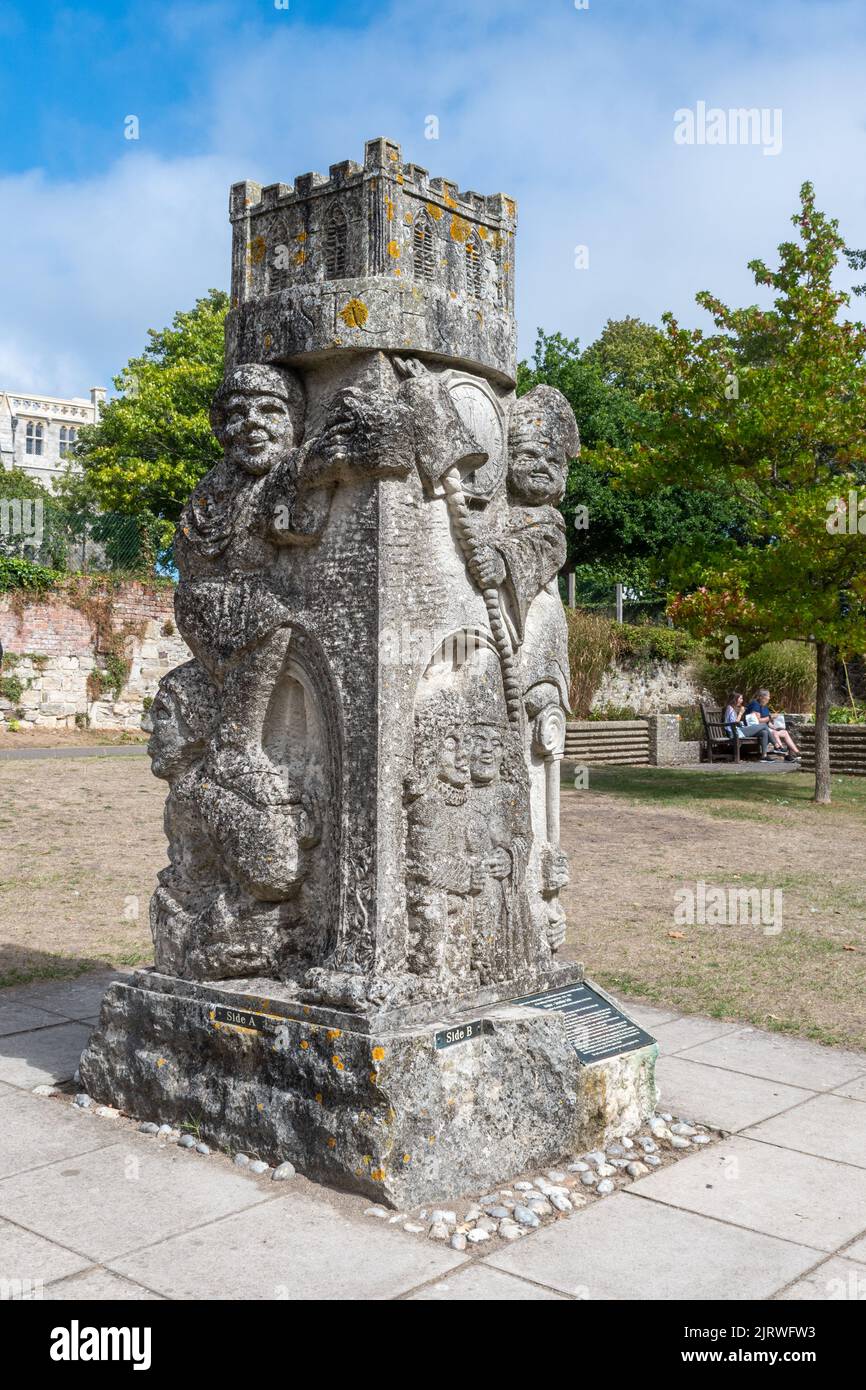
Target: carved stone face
171, 743
453, 760
537, 468
257, 431
485, 754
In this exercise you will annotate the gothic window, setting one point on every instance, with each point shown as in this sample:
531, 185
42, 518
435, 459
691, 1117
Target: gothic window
474, 266
425, 248
33, 438
67, 439
336, 244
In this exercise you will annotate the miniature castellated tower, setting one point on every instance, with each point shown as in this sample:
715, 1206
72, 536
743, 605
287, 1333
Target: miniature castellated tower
373, 256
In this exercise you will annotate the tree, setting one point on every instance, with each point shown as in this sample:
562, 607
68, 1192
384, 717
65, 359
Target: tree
153, 442
772, 406
618, 533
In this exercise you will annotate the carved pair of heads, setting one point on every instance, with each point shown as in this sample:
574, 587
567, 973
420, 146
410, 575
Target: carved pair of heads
257, 415
542, 437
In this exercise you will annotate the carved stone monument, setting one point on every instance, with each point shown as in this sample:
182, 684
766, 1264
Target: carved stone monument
357, 935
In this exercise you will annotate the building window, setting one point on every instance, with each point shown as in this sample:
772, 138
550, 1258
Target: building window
33, 438
336, 244
67, 440
424, 248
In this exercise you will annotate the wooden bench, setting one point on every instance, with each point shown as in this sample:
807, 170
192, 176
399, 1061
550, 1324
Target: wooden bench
719, 740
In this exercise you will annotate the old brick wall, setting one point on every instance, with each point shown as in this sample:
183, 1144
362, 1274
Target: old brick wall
53, 646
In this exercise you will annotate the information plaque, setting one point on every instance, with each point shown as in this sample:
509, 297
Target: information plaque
596, 1028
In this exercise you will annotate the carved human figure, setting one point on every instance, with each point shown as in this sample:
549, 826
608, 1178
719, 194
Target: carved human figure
442, 878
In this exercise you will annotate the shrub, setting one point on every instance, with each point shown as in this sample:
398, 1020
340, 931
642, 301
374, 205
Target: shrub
787, 669
612, 712
16, 573
647, 643
844, 714
592, 646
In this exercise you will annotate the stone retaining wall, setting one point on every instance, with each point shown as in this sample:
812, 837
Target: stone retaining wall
847, 748
633, 742
56, 644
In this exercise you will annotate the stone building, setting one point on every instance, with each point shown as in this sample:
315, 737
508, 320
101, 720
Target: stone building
37, 433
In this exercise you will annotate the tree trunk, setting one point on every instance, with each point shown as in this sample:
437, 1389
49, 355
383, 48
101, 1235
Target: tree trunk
823, 696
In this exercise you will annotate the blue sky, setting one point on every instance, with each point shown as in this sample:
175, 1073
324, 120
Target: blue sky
569, 110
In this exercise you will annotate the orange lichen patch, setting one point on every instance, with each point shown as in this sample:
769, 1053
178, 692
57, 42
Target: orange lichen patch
408, 217
260, 1106
300, 257
460, 228
334, 1032
434, 211
256, 250
235, 301
304, 1044
507, 265
389, 208
367, 1159
453, 294
374, 1077
332, 1143
480, 317
318, 1098
337, 1063
268, 341
497, 239
483, 233
392, 155
377, 1054
378, 1174
431, 1138
161, 1061
407, 1158
398, 271
306, 1008
302, 236
394, 250
448, 200
510, 207
354, 314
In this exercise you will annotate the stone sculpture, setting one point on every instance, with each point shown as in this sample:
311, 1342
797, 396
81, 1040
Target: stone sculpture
363, 756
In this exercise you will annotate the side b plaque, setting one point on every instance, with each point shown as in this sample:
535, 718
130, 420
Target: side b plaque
596, 1028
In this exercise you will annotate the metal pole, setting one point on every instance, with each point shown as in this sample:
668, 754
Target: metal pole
619, 603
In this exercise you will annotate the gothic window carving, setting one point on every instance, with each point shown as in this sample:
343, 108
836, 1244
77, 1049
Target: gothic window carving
68, 437
336, 245
474, 266
33, 438
425, 248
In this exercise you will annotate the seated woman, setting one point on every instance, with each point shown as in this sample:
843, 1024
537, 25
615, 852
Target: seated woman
775, 722
737, 728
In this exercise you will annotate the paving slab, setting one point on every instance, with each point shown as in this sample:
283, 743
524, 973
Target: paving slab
764, 1188
295, 1247
77, 998
688, 1032
828, 1125
725, 1099
482, 1284
25, 1256
836, 1280
626, 1248
99, 1285
45, 1056
855, 1090
857, 1251
35, 1131
22, 1017
789, 1060
109, 1202
647, 1015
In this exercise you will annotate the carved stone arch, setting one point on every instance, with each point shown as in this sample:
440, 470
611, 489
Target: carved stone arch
279, 255
335, 241
424, 247
474, 265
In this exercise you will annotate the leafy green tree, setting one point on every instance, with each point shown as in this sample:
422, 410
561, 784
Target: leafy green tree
772, 405
617, 532
153, 442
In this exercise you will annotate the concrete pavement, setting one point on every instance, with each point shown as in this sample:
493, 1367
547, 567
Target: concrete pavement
92, 1209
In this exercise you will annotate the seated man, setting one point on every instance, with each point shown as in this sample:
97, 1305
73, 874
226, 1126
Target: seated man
737, 728
761, 709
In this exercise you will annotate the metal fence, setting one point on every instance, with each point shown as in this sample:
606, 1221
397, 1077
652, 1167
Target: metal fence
75, 542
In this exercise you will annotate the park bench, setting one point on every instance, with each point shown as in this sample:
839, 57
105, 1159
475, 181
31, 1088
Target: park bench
719, 741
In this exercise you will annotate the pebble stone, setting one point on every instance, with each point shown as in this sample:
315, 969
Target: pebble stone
636, 1170
458, 1241
413, 1228
148, 1128
605, 1187
283, 1171
486, 1224
649, 1146
243, 1161
679, 1142
444, 1218
578, 1167
627, 1143
165, 1129
700, 1139
561, 1202
667, 1118
258, 1166
524, 1186
525, 1217
605, 1170
682, 1128
477, 1236
186, 1141
555, 1176
599, 1156
652, 1160
615, 1151
202, 1149
473, 1214
509, 1230
381, 1212
108, 1112
45, 1090
438, 1231
588, 1179
500, 1213
82, 1100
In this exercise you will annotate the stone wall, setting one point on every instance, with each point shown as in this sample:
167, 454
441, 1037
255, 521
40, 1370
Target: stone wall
649, 687
654, 740
847, 748
56, 645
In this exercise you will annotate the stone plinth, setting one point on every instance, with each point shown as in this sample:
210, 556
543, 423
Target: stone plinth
371, 1104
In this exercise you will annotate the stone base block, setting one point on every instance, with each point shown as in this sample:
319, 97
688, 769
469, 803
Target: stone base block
402, 1113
